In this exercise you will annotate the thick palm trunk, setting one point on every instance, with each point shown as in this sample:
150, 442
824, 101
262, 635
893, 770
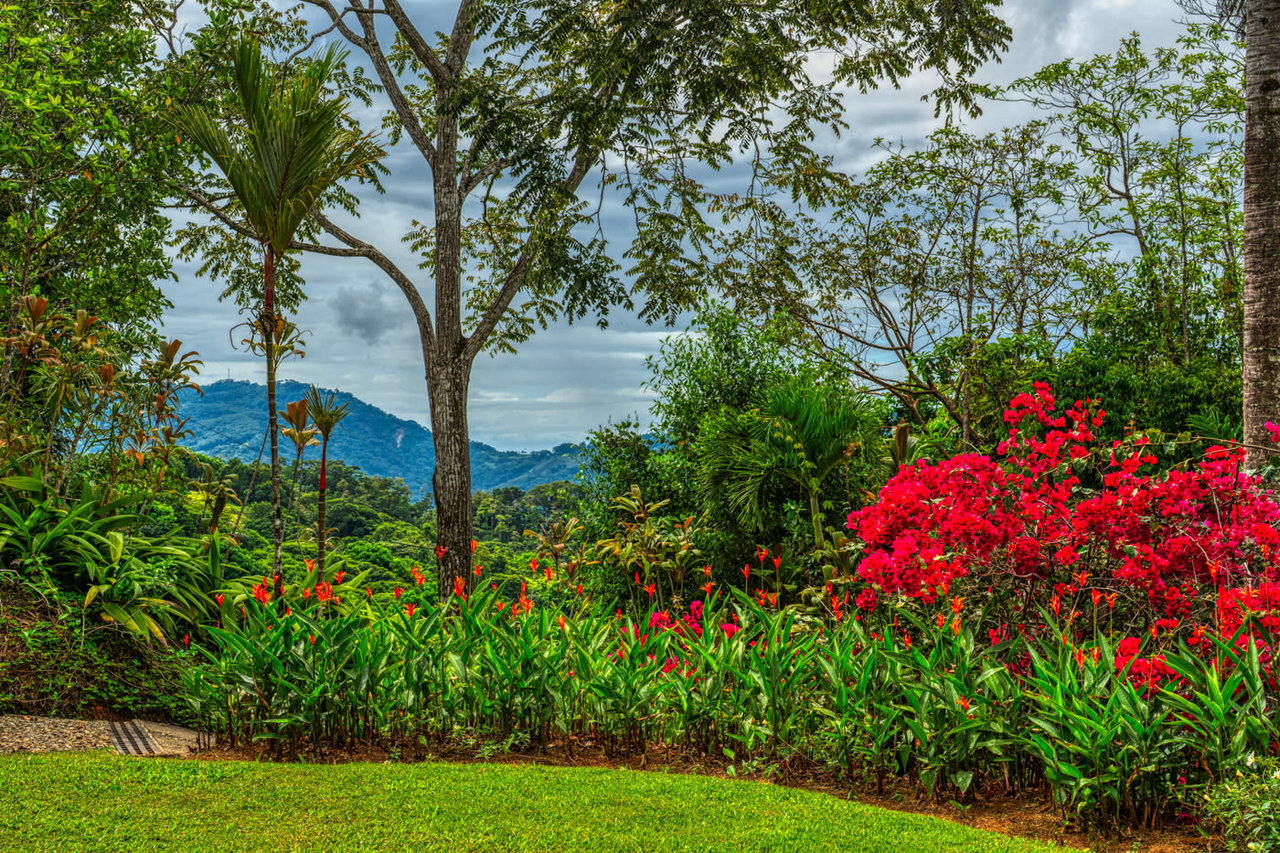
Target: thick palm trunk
451, 484
273, 431
1261, 225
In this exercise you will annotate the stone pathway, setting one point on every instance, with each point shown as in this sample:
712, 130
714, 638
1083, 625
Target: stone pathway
53, 734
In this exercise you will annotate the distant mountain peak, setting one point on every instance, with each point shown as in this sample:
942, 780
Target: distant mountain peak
230, 418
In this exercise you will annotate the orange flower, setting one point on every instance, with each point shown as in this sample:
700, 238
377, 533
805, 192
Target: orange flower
651, 589
956, 626
957, 604
1097, 596
1111, 600
706, 588
1081, 578
964, 702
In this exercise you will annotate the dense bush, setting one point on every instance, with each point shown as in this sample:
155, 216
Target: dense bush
1247, 807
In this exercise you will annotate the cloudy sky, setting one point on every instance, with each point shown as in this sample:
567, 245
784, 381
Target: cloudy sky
567, 380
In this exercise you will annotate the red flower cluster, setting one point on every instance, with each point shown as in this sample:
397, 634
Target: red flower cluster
1182, 543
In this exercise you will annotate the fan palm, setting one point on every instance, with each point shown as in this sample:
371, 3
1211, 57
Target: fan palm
285, 147
326, 414
800, 435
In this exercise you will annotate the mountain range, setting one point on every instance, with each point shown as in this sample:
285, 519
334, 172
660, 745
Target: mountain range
228, 421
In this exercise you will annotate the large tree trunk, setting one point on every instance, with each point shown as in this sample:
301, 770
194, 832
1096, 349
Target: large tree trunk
1261, 225
269, 326
451, 484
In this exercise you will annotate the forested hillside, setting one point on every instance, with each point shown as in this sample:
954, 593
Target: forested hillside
228, 421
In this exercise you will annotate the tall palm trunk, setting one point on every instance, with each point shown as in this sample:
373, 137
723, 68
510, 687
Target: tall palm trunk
269, 345
1261, 225
321, 530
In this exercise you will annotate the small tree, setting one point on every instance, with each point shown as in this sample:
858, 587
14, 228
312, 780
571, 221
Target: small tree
326, 414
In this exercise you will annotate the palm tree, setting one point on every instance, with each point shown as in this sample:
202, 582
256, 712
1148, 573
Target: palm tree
800, 435
287, 145
326, 414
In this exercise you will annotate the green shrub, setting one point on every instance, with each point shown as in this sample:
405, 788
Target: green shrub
1247, 807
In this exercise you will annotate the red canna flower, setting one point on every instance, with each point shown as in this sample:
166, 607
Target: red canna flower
460, 587
956, 626
746, 573
409, 609
476, 571
1096, 596
1111, 600
761, 554
957, 604
369, 591
1056, 604
313, 638
942, 620
473, 546
399, 592
218, 598
440, 552
651, 589
549, 570
306, 593
1080, 658
560, 621
706, 571
311, 564
1080, 578
706, 588
964, 702
777, 562
337, 578
186, 640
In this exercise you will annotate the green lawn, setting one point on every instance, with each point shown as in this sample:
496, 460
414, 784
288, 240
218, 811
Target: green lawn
99, 801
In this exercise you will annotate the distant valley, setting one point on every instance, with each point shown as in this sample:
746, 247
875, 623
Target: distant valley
229, 420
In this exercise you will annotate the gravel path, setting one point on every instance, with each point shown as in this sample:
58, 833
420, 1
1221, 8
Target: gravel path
52, 734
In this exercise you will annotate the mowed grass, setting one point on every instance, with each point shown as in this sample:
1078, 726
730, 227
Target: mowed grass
101, 801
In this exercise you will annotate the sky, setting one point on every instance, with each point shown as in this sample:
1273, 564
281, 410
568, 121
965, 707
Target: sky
569, 379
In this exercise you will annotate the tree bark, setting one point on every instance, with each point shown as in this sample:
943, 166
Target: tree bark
1261, 355
447, 386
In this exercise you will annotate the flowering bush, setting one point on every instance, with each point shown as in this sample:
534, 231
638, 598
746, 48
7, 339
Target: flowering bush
1176, 553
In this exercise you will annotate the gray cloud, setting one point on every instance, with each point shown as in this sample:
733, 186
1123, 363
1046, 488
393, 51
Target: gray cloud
367, 312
